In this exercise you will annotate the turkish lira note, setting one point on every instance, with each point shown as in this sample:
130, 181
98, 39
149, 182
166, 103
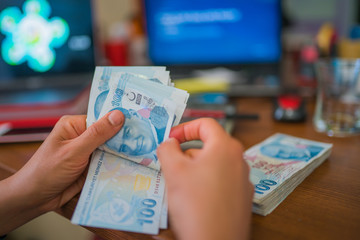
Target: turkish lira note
164, 213
100, 84
149, 116
120, 194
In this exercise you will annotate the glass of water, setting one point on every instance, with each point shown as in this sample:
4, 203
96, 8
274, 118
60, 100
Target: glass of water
337, 111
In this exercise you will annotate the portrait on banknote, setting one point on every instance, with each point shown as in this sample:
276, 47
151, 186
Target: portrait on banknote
140, 136
290, 150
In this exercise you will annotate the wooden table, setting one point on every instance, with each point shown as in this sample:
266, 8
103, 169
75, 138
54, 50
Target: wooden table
326, 205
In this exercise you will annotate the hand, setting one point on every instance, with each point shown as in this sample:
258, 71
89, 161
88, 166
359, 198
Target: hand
56, 172
209, 192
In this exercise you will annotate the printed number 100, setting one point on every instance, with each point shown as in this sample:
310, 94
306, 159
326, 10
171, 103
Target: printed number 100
146, 210
264, 186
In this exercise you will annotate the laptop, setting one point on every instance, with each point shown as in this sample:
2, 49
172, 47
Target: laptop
46, 51
46, 64
244, 37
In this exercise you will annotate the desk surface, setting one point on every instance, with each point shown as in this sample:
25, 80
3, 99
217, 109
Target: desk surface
326, 205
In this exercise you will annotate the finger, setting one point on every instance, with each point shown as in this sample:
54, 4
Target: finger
193, 152
100, 131
69, 127
170, 155
204, 129
79, 125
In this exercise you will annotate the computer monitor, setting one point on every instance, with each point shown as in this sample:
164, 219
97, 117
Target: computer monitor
213, 31
240, 34
44, 44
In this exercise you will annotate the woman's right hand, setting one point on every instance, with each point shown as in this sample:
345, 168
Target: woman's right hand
209, 192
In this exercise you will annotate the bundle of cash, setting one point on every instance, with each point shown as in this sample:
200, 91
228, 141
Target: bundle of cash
150, 103
124, 188
278, 165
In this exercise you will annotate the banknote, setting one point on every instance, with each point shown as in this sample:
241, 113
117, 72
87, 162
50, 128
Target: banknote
149, 116
178, 96
120, 194
164, 213
100, 84
279, 164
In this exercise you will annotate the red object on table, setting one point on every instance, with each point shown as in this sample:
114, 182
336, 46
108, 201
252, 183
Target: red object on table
117, 53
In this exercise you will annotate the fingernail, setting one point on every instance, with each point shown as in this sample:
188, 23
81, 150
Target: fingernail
116, 118
170, 140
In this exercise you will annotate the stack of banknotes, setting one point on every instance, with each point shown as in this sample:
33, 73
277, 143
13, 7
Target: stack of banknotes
124, 188
278, 165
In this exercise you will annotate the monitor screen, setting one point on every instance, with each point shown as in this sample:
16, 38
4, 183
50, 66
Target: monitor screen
213, 31
45, 37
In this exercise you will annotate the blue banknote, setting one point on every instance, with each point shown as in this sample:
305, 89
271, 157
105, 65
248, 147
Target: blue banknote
164, 213
101, 84
150, 106
149, 116
153, 91
151, 109
120, 194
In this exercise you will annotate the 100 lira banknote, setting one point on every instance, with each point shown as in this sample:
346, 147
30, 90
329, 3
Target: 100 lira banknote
148, 119
101, 85
120, 194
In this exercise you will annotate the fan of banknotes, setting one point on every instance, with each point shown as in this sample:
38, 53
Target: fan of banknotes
278, 165
124, 188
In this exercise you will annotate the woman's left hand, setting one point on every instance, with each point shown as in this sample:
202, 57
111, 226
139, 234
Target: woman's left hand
56, 172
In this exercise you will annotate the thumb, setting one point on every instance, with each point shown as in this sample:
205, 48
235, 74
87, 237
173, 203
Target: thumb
170, 156
100, 131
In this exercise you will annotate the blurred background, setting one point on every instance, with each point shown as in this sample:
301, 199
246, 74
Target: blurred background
280, 39
231, 48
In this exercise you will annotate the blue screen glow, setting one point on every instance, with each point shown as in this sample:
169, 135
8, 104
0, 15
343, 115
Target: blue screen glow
212, 31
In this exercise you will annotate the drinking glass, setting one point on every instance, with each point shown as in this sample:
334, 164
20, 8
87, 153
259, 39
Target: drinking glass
337, 111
